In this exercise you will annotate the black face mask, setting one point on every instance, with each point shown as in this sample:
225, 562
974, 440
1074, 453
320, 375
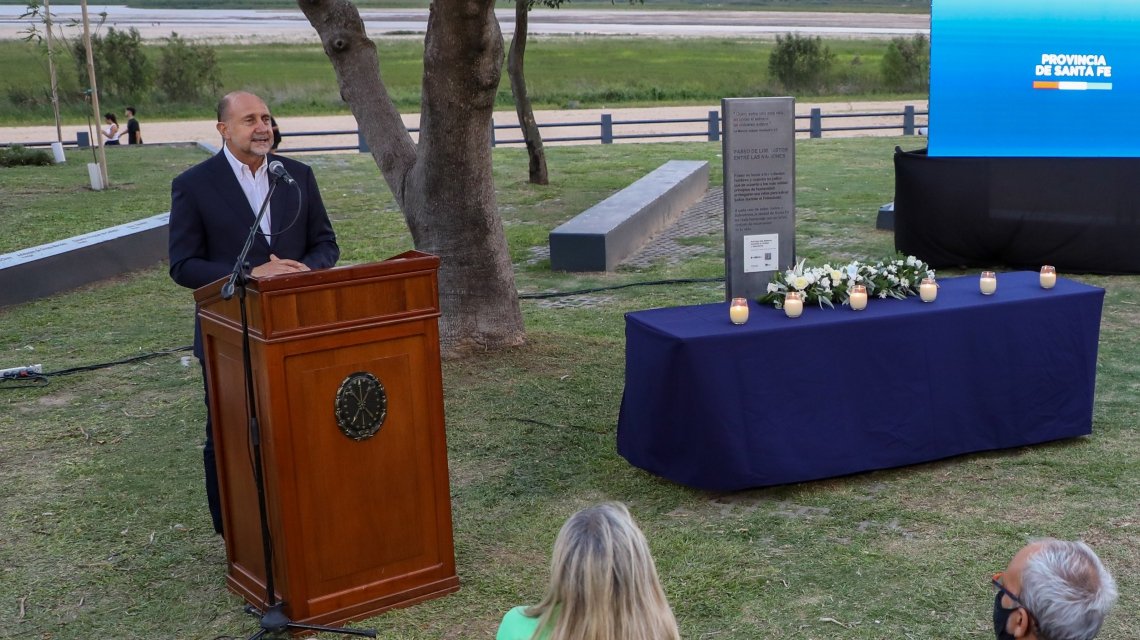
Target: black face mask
1001, 617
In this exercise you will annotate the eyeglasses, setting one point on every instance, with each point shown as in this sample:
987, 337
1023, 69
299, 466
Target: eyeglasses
999, 587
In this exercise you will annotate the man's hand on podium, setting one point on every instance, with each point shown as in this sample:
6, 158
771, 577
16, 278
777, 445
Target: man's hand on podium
276, 267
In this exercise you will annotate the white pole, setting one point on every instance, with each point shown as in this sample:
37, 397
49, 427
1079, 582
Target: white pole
94, 94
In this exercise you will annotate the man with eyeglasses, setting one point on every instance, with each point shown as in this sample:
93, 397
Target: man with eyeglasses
1052, 590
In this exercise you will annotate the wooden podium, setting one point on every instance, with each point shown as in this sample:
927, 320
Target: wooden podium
360, 523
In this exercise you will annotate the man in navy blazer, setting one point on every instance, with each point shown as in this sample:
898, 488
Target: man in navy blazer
214, 204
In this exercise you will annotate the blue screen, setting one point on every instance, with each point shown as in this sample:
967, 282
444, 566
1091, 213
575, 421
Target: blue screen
1035, 78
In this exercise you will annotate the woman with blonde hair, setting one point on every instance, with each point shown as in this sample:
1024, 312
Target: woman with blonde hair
603, 585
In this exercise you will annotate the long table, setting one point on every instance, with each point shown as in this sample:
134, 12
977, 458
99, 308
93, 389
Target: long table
721, 407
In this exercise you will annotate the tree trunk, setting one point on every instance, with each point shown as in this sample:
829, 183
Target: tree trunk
444, 185
529, 127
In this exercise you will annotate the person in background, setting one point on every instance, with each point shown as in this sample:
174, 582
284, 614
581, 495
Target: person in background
603, 585
276, 134
212, 207
1052, 590
134, 131
111, 131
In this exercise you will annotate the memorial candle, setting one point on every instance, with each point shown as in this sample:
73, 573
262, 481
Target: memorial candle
738, 310
928, 290
1048, 277
988, 283
858, 297
793, 304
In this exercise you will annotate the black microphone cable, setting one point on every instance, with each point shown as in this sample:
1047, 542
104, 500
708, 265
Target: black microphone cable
40, 379
646, 283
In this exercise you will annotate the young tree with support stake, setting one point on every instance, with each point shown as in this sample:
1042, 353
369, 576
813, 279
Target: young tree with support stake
443, 184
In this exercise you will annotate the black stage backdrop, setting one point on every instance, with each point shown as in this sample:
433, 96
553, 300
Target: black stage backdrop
1081, 215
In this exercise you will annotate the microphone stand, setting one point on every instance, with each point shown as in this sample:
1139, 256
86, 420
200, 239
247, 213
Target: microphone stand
273, 620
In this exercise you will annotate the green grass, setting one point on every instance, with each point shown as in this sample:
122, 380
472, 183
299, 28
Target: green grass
49, 203
104, 529
562, 72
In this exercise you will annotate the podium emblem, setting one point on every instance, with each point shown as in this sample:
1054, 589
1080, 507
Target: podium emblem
361, 405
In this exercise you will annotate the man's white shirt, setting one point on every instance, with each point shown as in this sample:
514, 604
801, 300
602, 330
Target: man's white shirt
254, 185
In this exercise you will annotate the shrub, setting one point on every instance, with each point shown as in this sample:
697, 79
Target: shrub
800, 62
121, 68
906, 64
19, 155
187, 71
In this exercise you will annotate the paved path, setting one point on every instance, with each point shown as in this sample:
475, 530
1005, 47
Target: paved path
204, 130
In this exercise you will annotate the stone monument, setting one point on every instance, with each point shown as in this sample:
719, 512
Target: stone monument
759, 155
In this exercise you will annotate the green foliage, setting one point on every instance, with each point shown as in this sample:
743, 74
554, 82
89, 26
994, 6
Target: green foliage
122, 69
18, 155
906, 64
800, 63
187, 71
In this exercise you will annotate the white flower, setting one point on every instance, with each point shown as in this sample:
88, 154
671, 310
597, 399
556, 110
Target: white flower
825, 283
911, 261
882, 294
836, 275
773, 287
800, 282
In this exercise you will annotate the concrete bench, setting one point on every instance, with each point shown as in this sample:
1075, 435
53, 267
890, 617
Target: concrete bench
48, 269
599, 238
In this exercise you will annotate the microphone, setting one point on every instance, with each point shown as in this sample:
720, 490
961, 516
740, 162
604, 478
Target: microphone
278, 169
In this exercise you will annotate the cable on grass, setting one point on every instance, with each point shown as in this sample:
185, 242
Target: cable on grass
559, 294
560, 426
41, 379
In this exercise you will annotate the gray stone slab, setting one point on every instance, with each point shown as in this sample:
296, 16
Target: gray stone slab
759, 155
886, 218
601, 237
48, 269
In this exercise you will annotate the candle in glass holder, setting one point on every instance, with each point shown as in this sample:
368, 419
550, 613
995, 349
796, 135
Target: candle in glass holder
738, 310
858, 297
988, 283
928, 290
793, 304
1048, 277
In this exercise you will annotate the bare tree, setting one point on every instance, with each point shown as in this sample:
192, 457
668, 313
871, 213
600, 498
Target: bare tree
443, 185
530, 132
531, 135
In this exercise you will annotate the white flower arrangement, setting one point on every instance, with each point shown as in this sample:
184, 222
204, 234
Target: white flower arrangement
826, 285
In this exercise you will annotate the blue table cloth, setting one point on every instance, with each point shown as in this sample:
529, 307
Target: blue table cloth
717, 406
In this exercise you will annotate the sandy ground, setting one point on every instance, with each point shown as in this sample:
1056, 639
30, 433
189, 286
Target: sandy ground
236, 25
204, 130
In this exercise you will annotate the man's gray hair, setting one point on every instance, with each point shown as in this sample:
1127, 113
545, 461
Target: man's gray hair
1067, 589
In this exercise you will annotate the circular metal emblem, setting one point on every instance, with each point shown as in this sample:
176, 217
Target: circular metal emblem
361, 405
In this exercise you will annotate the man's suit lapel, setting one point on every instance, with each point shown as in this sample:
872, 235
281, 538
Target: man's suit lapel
230, 191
